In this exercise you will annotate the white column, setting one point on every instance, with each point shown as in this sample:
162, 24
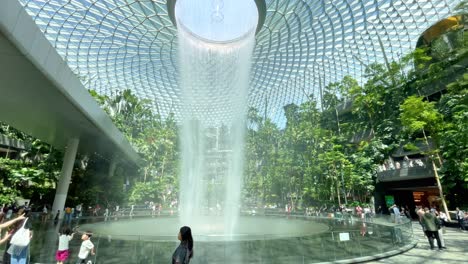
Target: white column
112, 166
65, 176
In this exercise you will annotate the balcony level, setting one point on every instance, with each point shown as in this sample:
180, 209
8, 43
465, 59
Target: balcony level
11, 147
406, 170
12, 143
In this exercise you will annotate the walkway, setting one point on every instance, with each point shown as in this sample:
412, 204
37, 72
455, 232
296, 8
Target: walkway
456, 252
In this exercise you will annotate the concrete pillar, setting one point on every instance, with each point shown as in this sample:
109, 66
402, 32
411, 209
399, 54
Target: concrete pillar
112, 166
65, 176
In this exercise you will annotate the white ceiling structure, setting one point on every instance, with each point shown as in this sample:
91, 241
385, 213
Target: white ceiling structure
132, 44
42, 97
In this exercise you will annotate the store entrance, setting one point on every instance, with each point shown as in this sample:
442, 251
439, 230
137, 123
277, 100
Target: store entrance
427, 198
410, 197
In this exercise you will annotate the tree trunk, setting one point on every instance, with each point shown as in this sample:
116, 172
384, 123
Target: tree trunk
344, 187
444, 204
163, 164
439, 186
338, 191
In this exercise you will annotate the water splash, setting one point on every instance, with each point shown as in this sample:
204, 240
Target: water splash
214, 85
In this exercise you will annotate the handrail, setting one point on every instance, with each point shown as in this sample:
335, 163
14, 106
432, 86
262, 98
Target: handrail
360, 238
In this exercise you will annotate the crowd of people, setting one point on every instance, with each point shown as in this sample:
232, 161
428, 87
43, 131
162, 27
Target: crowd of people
405, 163
365, 213
433, 221
115, 211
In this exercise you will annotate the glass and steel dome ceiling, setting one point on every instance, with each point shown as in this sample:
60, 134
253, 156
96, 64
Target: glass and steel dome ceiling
132, 44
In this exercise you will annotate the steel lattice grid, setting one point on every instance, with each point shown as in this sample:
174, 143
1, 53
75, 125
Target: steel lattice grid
118, 44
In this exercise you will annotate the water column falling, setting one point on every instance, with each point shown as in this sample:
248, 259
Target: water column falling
214, 80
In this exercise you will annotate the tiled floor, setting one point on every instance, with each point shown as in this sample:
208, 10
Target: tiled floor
456, 242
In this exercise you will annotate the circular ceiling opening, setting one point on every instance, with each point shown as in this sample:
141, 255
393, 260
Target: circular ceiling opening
217, 20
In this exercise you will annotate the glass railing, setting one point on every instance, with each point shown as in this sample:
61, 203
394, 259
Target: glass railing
406, 173
348, 237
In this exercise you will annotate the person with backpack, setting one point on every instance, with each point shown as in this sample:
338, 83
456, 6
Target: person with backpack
184, 252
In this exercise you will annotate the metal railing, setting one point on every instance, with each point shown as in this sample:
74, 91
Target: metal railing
408, 170
349, 237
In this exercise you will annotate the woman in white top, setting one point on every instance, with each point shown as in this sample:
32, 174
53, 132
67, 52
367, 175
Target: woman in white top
64, 238
7, 224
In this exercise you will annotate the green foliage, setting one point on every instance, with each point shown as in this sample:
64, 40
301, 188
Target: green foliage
144, 191
462, 8
154, 138
307, 161
418, 115
312, 158
410, 147
34, 173
454, 139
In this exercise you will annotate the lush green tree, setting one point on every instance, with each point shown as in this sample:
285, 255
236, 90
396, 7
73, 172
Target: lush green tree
262, 151
454, 140
34, 174
419, 116
154, 138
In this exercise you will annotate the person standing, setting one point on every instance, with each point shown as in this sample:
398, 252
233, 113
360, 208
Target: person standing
442, 220
359, 211
367, 214
116, 212
19, 252
45, 214
68, 213
460, 216
131, 210
184, 252
106, 213
86, 247
56, 218
153, 209
78, 210
64, 238
396, 212
431, 226
420, 212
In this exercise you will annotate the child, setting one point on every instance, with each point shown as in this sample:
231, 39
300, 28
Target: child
86, 247
62, 252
